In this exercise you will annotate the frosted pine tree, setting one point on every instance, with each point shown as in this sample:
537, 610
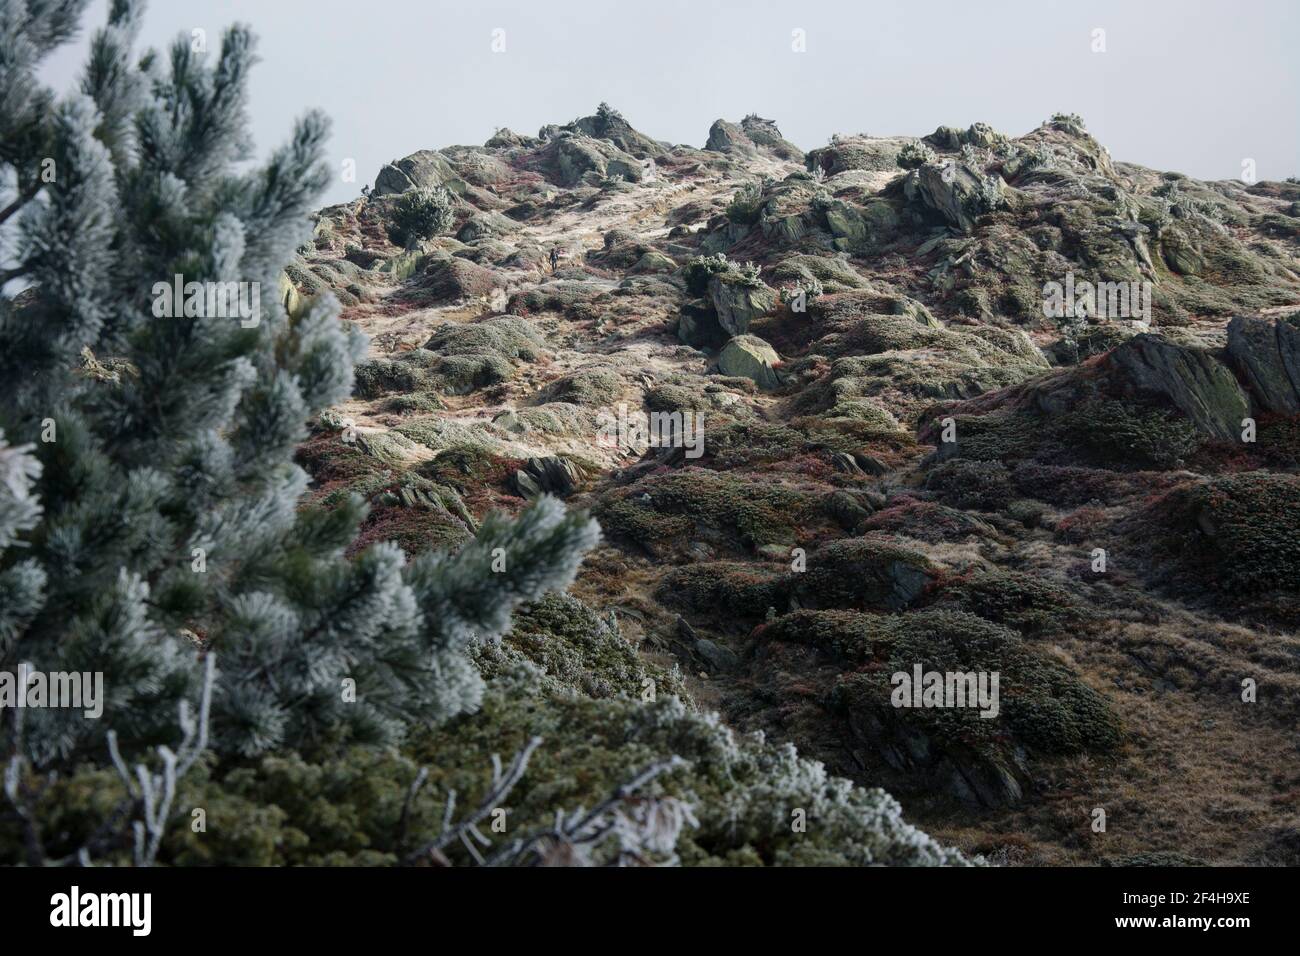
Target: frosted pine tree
150, 508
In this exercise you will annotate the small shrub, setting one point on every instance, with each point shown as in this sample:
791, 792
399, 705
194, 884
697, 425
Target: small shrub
746, 206
701, 269
1069, 122
421, 214
915, 154
982, 485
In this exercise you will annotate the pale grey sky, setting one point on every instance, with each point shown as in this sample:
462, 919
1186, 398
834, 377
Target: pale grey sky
1190, 85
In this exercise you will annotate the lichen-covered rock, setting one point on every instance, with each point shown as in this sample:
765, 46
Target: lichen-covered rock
1267, 355
1197, 383
738, 300
608, 123
748, 356
749, 137
955, 193
855, 152
550, 475
425, 169
575, 157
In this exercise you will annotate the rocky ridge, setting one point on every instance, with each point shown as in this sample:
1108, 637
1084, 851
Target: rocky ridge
903, 460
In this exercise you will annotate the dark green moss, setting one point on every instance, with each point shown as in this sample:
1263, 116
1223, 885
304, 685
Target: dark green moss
1026, 602
1041, 702
725, 589
964, 484
1249, 527
755, 511
863, 573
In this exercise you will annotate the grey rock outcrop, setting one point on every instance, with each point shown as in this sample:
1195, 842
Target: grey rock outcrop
955, 192
1202, 387
550, 475
1266, 353
424, 169
738, 302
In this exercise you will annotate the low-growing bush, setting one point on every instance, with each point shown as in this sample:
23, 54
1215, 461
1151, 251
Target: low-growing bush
421, 214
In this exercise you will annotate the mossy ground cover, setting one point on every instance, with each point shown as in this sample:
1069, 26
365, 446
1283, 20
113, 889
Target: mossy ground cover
750, 511
1043, 705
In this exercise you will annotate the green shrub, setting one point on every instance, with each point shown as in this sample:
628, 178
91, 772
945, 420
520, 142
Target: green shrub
1026, 602
746, 205
982, 485
863, 573
1127, 436
1251, 528
421, 214
753, 512
1041, 701
724, 588
701, 269
915, 154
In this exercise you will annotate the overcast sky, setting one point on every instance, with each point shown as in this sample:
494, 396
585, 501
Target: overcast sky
1196, 86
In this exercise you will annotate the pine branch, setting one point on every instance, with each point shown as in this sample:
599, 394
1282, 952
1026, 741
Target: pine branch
8, 275
22, 200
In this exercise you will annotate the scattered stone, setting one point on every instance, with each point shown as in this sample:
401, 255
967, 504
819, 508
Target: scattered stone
551, 475
748, 356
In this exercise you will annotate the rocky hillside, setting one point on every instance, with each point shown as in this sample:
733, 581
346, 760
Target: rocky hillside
974, 402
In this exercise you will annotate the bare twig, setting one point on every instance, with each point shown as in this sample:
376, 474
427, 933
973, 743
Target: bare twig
404, 823
581, 831
152, 794
502, 784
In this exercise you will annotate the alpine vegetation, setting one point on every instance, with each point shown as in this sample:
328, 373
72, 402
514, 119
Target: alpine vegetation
271, 592
584, 499
154, 514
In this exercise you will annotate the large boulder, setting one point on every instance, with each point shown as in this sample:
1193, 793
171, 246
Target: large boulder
725, 137
698, 326
630, 168
844, 221
421, 170
1198, 384
1267, 355
952, 138
575, 157
748, 356
738, 301
856, 152
955, 193
608, 123
750, 136
764, 133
